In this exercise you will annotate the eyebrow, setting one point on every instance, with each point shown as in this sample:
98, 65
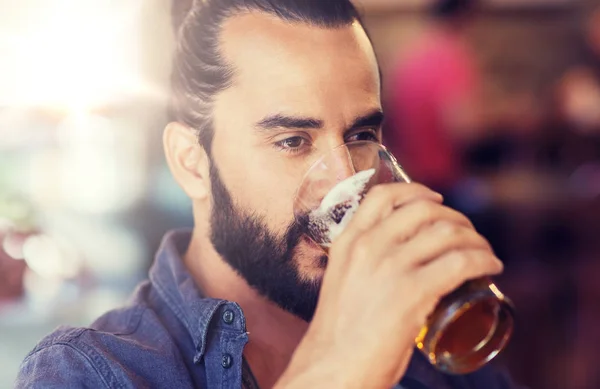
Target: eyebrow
372, 119
282, 121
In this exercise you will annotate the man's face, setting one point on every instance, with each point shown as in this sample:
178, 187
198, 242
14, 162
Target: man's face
297, 92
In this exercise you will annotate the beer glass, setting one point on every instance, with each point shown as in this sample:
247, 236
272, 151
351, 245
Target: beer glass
469, 326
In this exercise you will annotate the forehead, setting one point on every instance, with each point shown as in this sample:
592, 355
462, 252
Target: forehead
297, 65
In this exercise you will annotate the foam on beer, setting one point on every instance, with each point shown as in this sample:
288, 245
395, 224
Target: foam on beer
337, 208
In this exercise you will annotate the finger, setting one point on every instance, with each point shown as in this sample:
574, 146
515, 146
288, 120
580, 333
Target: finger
383, 199
432, 242
405, 222
449, 271
380, 202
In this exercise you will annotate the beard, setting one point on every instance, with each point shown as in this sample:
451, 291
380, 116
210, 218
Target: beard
263, 259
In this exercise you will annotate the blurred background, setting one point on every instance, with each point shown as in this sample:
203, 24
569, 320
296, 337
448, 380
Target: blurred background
497, 106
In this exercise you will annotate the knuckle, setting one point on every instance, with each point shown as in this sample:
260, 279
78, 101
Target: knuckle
427, 209
481, 241
419, 187
378, 191
465, 220
459, 217
493, 264
483, 245
449, 230
496, 265
500, 265
461, 262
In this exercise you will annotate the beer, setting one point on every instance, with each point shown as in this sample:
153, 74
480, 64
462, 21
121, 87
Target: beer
467, 328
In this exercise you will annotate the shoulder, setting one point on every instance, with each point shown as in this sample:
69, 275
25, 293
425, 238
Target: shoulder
84, 357
61, 360
120, 349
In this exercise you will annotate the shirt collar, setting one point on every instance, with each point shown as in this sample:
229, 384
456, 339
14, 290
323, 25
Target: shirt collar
175, 285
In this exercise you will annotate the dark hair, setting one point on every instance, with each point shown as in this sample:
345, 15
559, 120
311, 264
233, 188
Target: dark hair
449, 9
199, 71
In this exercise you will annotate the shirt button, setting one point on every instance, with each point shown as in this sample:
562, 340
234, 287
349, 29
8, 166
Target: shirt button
228, 317
226, 361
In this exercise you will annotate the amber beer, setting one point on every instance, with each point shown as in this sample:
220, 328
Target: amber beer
468, 327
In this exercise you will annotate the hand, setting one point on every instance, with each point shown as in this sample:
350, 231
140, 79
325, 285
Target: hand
402, 251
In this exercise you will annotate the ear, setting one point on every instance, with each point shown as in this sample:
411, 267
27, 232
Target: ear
187, 160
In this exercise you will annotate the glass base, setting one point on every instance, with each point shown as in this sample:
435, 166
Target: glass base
468, 328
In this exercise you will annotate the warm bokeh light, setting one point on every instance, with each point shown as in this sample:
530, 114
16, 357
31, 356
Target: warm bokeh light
69, 54
50, 258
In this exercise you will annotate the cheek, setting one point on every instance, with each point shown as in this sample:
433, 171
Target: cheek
261, 186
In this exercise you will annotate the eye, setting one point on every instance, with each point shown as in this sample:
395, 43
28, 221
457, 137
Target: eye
294, 144
370, 135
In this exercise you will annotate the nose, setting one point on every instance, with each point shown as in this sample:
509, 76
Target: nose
341, 164
334, 168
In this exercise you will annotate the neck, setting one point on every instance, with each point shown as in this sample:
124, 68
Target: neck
274, 333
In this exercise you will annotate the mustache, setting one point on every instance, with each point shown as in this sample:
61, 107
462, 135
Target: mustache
297, 229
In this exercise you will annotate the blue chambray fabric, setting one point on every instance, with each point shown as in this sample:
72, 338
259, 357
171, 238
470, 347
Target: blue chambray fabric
170, 336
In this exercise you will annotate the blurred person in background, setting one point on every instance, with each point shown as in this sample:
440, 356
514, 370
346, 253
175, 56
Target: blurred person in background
436, 124
579, 100
243, 300
432, 100
572, 133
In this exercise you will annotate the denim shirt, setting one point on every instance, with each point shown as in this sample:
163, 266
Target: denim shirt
170, 336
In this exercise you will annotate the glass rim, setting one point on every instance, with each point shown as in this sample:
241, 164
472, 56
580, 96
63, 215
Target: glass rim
346, 145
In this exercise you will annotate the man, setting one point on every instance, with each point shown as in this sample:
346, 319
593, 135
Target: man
261, 89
